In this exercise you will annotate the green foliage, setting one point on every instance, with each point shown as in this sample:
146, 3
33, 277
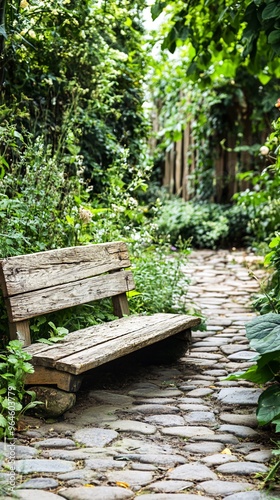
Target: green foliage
13, 368
217, 86
81, 58
269, 298
228, 122
56, 334
72, 319
35, 194
263, 333
224, 36
161, 284
262, 199
206, 225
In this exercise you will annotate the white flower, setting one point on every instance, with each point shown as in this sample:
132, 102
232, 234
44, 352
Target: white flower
264, 150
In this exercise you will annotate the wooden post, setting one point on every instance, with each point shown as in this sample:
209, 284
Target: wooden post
20, 331
120, 305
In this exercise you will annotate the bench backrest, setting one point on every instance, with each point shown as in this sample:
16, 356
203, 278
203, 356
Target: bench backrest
45, 282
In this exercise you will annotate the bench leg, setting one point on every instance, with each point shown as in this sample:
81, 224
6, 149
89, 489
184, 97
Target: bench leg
48, 376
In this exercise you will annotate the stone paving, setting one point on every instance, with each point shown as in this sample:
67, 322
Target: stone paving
165, 432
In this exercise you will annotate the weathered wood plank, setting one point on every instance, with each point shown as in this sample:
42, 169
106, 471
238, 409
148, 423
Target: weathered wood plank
31, 304
121, 345
48, 376
20, 331
186, 146
30, 272
178, 168
95, 335
120, 305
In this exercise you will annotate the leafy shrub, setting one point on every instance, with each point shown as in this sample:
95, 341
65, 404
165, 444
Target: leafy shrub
83, 57
262, 200
71, 319
206, 225
161, 284
13, 368
263, 333
269, 298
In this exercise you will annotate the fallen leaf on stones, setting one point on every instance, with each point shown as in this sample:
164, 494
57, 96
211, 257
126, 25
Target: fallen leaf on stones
212, 387
21, 426
89, 485
226, 451
122, 484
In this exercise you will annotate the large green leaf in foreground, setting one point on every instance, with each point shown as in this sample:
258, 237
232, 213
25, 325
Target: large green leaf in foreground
269, 405
263, 333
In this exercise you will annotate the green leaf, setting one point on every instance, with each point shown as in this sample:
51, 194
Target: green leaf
277, 429
132, 293
269, 405
62, 331
274, 36
7, 403
256, 374
157, 9
31, 405
270, 343
263, 333
3, 421
264, 79
271, 10
272, 358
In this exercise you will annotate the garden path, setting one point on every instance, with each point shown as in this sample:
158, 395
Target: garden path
176, 432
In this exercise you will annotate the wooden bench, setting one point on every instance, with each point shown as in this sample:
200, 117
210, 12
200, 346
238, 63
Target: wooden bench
44, 282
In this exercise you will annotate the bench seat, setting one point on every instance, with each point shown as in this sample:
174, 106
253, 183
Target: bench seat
85, 349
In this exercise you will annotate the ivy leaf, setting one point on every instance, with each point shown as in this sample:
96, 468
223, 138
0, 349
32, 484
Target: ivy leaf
269, 405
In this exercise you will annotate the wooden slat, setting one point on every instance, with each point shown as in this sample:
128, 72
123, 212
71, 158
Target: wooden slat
178, 168
186, 145
47, 376
31, 304
96, 356
172, 167
87, 337
30, 272
106, 342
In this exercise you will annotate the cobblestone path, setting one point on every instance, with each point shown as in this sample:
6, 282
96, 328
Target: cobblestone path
164, 432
